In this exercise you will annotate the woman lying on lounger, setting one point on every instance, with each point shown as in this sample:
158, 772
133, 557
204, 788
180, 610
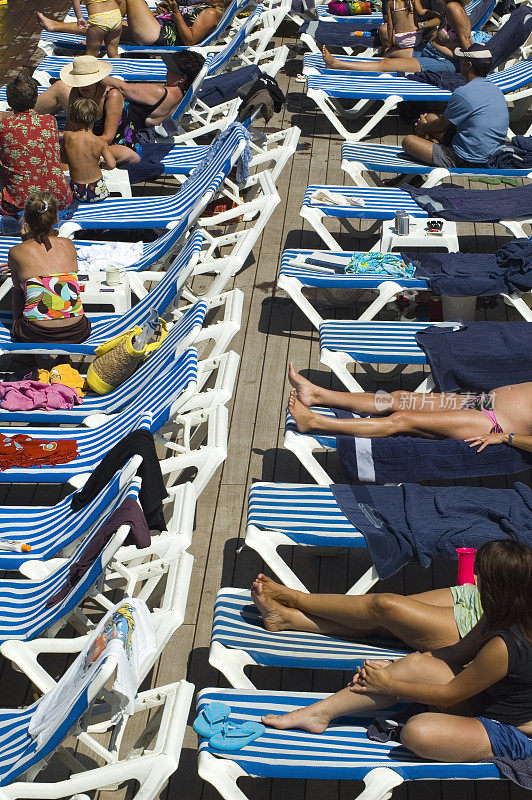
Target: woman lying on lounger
485, 686
434, 416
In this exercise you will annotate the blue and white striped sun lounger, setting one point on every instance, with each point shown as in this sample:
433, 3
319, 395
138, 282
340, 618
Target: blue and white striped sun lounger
107, 326
343, 752
239, 639
324, 269
378, 203
481, 8
360, 157
333, 86
154, 69
181, 209
67, 40
24, 613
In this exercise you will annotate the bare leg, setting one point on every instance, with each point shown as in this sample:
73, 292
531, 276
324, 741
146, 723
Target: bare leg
112, 40
316, 717
95, 38
124, 155
421, 625
391, 63
419, 148
142, 27
445, 737
55, 26
431, 425
366, 402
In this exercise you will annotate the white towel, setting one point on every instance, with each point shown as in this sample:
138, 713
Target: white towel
99, 257
325, 197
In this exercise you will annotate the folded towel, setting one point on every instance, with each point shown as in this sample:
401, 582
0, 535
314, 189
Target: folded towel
99, 257
346, 34
327, 198
473, 205
515, 155
407, 523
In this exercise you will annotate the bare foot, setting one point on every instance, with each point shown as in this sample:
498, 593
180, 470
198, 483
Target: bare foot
330, 61
311, 719
278, 592
307, 392
305, 420
47, 23
273, 614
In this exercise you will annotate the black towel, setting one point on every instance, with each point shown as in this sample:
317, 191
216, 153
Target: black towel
479, 356
152, 492
410, 523
473, 205
220, 88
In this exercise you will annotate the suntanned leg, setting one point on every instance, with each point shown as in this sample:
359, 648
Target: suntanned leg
420, 625
55, 26
142, 27
124, 155
431, 425
112, 40
316, 717
388, 64
367, 402
418, 148
445, 737
95, 38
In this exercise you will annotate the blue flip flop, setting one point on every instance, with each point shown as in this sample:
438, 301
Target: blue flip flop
211, 719
234, 737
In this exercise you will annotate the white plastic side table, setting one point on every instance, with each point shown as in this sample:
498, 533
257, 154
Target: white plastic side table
96, 291
418, 236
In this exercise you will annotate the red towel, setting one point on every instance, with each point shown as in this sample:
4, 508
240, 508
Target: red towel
25, 451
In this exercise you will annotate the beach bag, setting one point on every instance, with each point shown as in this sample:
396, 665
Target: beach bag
117, 359
341, 9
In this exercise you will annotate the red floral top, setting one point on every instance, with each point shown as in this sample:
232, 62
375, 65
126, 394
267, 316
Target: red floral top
29, 152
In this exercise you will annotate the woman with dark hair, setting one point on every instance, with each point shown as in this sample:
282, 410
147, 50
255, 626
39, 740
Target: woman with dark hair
484, 682
46, 298
436, 55
169, 25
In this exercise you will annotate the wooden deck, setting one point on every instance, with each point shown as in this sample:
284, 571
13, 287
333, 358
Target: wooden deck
273, 332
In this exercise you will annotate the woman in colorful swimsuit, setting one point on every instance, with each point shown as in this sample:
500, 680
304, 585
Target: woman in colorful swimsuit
434, 416
170, 24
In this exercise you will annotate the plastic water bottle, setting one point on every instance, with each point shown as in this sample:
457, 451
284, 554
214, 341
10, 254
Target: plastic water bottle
12, 546
148, 330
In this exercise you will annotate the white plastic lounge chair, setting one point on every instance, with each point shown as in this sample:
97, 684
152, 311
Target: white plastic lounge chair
157, 411
324, 269
328, 88
149, 762
358, 158
379, 203
343, 752
239, 639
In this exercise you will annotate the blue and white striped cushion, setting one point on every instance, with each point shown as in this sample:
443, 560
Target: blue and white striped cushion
306, 514
335, 260
238, 625
379, 202
374, 342
328, 442
343, 752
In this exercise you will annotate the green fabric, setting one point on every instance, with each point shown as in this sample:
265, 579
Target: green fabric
467, 607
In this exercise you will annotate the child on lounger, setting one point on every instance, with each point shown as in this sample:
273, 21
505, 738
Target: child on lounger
485, 686
103, 26
83, 151
434, 416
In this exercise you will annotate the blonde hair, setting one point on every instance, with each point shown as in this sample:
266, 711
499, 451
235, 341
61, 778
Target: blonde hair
40, 214
83, 112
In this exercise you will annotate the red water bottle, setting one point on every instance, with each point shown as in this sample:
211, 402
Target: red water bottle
466, 565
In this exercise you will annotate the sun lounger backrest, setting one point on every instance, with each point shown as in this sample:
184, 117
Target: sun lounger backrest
235, 43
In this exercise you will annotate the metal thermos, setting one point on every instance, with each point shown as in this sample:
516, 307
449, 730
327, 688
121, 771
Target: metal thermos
402, 223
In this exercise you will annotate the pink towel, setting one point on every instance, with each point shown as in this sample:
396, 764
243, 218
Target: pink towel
29, 395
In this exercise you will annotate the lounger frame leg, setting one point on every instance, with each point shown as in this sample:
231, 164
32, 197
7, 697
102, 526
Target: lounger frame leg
231, 662
265, 543
294, 290
337, 362
519, 304
387, 292
302, 447
222, 774
314, 216
380, 784
515, 227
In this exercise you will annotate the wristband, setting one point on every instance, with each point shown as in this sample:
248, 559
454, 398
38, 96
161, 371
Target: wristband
511, 439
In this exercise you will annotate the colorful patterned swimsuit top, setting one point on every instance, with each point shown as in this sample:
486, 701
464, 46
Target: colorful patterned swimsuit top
52, 297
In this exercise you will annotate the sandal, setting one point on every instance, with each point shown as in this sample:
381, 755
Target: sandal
237, 736
211, 719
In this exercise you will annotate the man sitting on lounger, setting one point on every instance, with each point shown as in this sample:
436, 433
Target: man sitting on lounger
434, 416
474, 124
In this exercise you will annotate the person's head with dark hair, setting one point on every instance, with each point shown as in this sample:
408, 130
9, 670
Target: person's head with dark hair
40, 215
504, 576
22, 93
475, 62
183, 68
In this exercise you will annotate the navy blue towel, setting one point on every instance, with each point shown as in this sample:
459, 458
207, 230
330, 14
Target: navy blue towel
479, 356
511, 36
150, 165
403, 524
515, 155
477, 274
443, 80
221, 88
341, 34
473, 205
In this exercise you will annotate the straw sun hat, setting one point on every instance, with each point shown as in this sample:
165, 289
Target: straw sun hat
84, 71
